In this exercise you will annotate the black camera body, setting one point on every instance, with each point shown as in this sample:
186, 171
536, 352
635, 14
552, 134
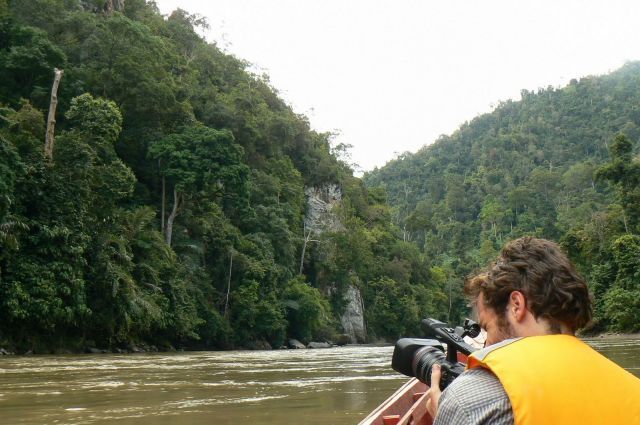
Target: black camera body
415, 357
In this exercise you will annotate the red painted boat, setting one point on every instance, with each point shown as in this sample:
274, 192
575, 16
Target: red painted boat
407, 406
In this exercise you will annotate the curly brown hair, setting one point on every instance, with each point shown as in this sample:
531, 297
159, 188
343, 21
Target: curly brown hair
542, 272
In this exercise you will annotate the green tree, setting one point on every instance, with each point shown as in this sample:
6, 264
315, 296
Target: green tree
12, 170
393, 311
624, 172
27, 64
308, 311
492, 214
257, 317
199, 160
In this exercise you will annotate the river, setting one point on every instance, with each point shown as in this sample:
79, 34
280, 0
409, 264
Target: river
327, 386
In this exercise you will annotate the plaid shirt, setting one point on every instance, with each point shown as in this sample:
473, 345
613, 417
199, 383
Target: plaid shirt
475, 397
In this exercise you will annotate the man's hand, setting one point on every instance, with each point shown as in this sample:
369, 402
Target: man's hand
433, 395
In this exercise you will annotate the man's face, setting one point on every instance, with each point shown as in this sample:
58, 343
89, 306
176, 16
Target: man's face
497, 327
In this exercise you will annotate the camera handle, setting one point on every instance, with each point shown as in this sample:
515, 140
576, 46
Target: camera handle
448, 336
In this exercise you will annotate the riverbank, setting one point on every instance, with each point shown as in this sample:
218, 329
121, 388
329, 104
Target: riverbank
613, 336
90, 350
144, 348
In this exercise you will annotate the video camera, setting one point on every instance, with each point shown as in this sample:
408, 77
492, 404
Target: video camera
415, 357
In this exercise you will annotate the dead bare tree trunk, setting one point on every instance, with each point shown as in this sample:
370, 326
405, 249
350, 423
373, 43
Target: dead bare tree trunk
226, 302
164, 202
51, 119
177, 205
450, 303
364, 323
305, 240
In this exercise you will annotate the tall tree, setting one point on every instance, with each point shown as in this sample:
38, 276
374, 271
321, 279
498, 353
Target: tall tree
199, 161
624, 172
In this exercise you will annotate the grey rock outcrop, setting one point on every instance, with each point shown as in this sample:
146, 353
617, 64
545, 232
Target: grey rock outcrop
320, 217
318, 345
343, 339
294, 343
133, 348
321, 201
261, 345
353, 317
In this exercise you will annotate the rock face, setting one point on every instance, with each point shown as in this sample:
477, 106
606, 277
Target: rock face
319, 345
321, 200
294, 343
320, 217
261, 345
353, 318
343, 339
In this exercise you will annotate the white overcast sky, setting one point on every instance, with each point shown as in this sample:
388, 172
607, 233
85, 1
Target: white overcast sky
393, 75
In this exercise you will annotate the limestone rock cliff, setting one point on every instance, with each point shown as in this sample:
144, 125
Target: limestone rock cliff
320, 215
353, 317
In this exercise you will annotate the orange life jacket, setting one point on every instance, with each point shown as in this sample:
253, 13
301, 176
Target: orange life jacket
558, 379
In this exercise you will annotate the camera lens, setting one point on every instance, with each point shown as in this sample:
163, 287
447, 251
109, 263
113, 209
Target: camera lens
423, 361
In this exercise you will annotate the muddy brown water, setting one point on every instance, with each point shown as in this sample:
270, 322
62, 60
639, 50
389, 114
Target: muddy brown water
327, 386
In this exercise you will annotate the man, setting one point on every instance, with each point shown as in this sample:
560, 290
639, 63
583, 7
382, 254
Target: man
533, 369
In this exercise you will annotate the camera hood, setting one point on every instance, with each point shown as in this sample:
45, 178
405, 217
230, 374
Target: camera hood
405, 350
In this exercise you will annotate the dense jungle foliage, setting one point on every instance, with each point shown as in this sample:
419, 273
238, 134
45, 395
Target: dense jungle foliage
171, 212
562, 163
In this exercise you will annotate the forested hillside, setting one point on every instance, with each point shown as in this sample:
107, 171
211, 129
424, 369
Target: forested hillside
560, 164
171, 209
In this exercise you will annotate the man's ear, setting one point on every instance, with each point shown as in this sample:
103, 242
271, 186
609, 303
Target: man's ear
517, 305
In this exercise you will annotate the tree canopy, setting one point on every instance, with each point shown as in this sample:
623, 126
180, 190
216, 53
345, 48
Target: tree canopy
173, 210
561, 163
